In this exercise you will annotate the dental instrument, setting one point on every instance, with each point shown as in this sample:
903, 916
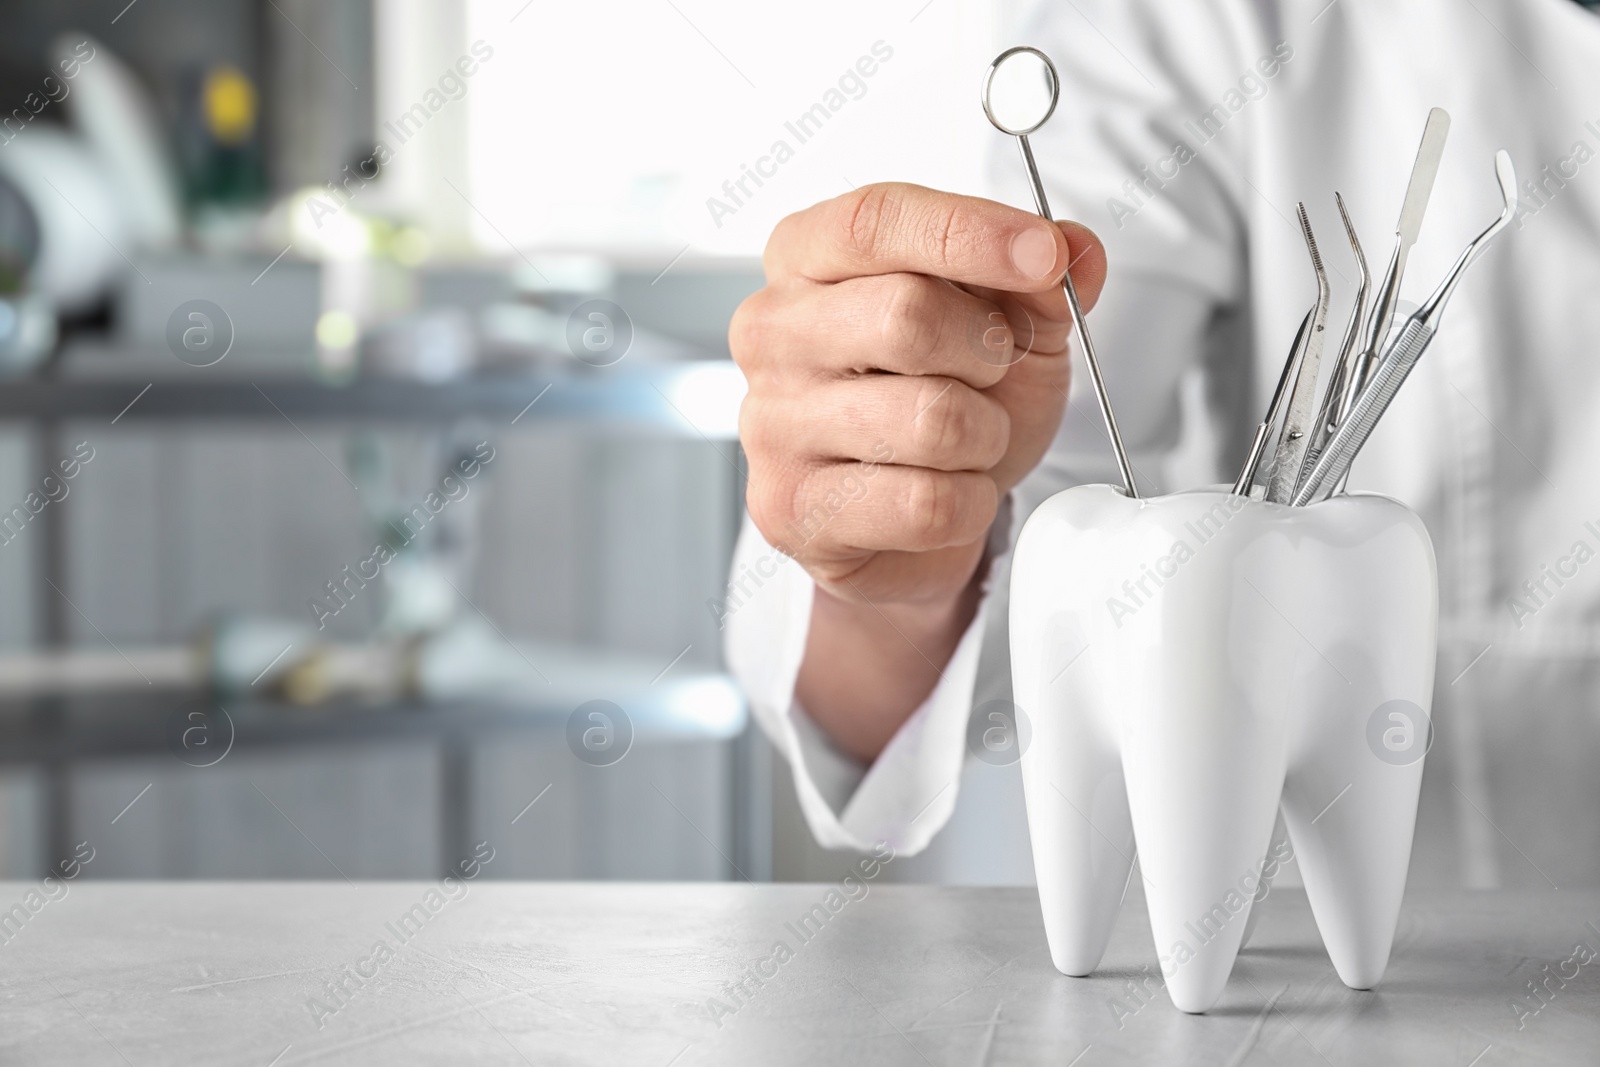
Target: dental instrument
1407, 348
1247, 476
1025, 64
1289, 379
1415, 205
1333, 408
1297, 423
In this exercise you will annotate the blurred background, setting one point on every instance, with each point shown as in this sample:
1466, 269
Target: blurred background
367, 464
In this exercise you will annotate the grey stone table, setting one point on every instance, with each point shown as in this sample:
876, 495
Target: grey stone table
562, 973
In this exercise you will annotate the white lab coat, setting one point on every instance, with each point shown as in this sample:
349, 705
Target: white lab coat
1494, 440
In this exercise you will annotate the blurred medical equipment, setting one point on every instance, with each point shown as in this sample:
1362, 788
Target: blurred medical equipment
1029, 89
81, 224
114, 114
27, 321
254, 659
102, 190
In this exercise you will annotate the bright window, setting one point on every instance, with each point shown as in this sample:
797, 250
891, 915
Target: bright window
611, 123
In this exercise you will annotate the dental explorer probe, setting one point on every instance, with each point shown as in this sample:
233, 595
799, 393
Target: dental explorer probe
1288, 378
1297, 423
1247, 475
1333, 408
1418, 190
1020, 130
1407, 348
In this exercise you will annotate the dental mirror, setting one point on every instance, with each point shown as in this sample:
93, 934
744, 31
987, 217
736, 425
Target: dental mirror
1020, 92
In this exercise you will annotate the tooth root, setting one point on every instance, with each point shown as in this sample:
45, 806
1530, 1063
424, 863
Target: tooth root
1078, 821
1204, 729
1203, 792
1353, 860
1082, 836
1355, 754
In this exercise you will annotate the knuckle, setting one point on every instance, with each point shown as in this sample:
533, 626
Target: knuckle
749, 329
933, 505
942, 427
910, 318
772, 500
784, 235
948, 232
754, 420
834, 574
869, 218
944, 233
994, 340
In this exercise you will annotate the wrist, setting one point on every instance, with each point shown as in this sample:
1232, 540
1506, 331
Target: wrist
869, 665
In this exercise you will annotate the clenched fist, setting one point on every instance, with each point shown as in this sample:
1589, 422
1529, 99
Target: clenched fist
907, 365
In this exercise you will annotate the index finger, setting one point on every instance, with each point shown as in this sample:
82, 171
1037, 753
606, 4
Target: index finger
895, 227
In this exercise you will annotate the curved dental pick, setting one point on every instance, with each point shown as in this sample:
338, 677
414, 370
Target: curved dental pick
1335, 403
1298, 424
1258, 443
1407, 348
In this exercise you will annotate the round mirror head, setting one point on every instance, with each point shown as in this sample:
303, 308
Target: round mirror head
1020, 90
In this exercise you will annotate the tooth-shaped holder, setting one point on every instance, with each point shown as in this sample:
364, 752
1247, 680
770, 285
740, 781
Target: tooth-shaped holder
1186, 664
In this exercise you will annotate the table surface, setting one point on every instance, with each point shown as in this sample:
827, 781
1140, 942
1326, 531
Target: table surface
568, 973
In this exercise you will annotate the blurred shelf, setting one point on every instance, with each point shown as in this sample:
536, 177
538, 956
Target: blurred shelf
697, 399
702, 707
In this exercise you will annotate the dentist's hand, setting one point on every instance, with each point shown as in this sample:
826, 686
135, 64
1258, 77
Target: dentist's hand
919, 330
907, 365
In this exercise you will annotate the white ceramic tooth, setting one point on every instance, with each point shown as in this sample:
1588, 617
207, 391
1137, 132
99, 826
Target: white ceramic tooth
1359, 735
1072, 773
1209, 630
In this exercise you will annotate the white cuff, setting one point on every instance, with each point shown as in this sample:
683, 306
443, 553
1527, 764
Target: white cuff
909, 792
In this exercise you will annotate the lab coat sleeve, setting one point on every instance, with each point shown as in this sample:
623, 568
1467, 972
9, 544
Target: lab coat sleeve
909, 791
